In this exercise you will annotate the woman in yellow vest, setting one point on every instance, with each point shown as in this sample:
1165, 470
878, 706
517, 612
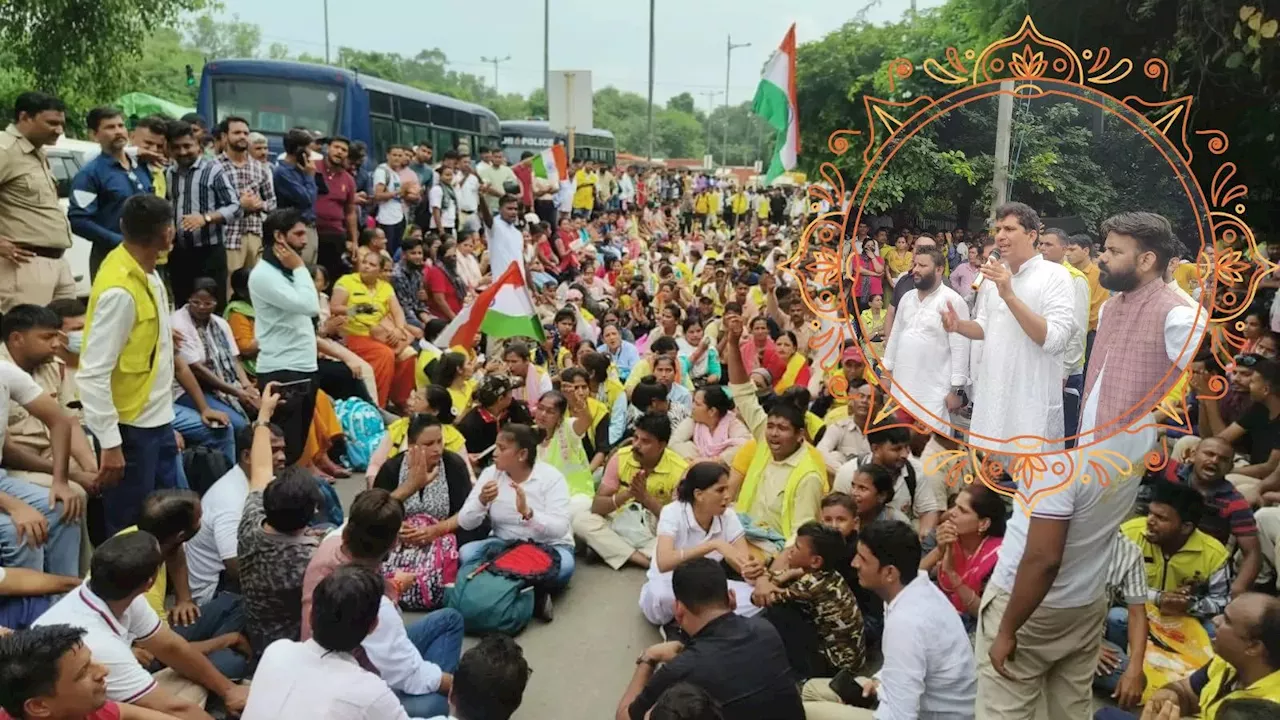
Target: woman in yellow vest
590, 416
638, 482
783, 486
453, 373
432, 399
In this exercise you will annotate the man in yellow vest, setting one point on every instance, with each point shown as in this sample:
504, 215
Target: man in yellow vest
1246, 665
638, 482
126, 368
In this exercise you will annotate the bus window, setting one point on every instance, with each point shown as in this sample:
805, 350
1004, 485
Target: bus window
384, 136
275, 106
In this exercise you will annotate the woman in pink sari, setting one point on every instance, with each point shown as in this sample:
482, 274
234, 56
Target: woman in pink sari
969, 540
759, 350
713, 432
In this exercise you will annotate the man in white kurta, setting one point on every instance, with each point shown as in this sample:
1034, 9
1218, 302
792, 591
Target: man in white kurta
1026, 320
929, 366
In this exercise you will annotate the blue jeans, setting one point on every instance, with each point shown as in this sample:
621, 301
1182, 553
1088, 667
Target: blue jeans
186, 420
1071, 393
1113, 713
471, 551
151, 459
18, 612
438, 637
223, 614
238, 420
60, 554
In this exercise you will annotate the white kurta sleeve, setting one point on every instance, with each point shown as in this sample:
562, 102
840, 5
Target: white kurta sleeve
1058, 311
959, 344
1184, 327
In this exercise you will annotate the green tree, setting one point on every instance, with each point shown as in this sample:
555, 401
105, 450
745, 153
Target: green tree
218, 39
682, 102
81, 50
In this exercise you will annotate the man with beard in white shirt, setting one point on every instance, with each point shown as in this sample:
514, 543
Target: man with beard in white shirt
927, 367
1026, 320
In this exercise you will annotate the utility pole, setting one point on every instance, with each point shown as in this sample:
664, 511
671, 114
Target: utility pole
496, 62
728, 60
650, 155
711, 104
546, 53
326, 32
1004, 128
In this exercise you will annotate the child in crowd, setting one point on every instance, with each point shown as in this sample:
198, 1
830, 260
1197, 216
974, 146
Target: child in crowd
840, 513
813, 586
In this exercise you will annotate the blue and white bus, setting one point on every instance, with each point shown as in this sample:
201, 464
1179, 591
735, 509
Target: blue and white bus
593, 144
276, 95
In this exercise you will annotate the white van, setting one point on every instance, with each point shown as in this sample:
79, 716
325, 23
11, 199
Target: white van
65, 159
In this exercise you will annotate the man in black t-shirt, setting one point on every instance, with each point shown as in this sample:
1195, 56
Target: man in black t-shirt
1256, 434
739, 661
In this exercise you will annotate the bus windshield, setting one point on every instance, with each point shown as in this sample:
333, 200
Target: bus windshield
273, 106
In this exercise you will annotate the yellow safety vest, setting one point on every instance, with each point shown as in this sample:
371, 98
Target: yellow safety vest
662, 480
135, 370
1221, 675
807, 465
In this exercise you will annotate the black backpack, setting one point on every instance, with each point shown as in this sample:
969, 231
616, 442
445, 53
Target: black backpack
203, 466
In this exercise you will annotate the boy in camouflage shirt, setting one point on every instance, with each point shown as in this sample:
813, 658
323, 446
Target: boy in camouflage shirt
813, 585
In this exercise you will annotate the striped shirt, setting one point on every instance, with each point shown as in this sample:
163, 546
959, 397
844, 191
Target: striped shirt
1126, 572
201, 189
252, 176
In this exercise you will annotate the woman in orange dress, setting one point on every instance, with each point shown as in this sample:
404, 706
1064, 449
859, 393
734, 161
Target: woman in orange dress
376, 329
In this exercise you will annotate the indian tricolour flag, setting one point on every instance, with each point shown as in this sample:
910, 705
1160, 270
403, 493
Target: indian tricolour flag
775, 103
551, 164
503, 310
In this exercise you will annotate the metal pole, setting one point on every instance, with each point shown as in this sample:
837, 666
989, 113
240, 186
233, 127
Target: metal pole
728, 60
496, 61
1004, 127
546, 51
711, 104
650, 130
326, 32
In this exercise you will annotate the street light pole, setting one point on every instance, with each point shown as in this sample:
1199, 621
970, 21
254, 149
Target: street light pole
649, 157
711, 105
546, 51
728, 60
496, 61
326, 32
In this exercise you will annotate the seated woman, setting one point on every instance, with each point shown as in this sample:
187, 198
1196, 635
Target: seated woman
759, 350
433, 400
453, 371
621, 353
523, 499
786, 478
795, 364
210, 350
638, 482
433, 484
700, 523
240, 318
969, 540
562, 448
590, 416
376, 329
713, 432
698, 354
494, 408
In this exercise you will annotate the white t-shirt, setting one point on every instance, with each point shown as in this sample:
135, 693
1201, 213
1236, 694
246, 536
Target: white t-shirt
303, 680
109, 638
677, 522
468, 192
506, 246
19, 387
215, 543
447, 214
390, 211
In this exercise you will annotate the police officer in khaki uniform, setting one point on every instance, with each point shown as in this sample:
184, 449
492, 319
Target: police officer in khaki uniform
34, 232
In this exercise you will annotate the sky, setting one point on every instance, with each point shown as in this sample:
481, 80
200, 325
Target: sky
608, 37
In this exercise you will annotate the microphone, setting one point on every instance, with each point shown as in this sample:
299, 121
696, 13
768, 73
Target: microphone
993, 257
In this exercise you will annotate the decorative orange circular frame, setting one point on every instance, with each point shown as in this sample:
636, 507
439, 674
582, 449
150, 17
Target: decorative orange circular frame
1024, 59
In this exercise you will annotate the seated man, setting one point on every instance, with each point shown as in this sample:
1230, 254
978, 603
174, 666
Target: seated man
740, 661
490, 680
212, 554
34, 533
111, 606
49, 673
32, 336
1256, 432
272, 540
929, 669
71, 312
1246, 665
638, 482
417, 661
844, 439
1227, 514
649, 396
1116, 676
313, 678
212, 627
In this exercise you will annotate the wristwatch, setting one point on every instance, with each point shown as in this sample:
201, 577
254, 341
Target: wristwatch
208, 218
